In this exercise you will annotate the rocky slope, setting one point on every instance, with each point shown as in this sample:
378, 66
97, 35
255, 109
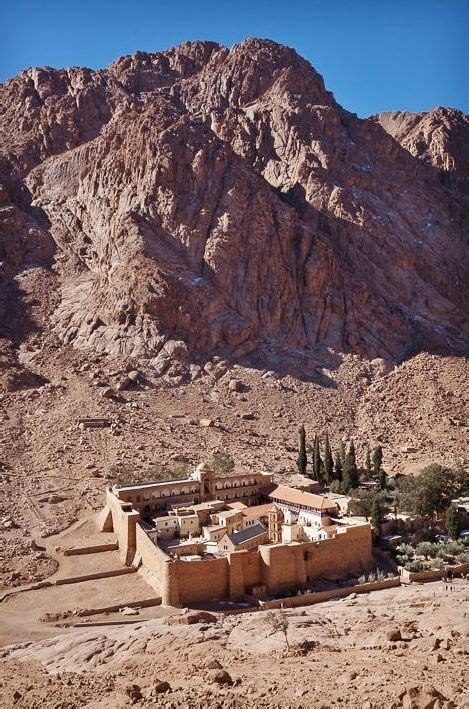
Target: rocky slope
223, 199
439, 137
404, 647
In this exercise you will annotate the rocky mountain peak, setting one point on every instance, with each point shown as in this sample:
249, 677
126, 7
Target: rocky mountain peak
224, 199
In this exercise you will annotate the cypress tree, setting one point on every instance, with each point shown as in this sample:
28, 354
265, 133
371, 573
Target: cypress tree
328, 462
368, 463
338, 467
342, 453
377, 459
383, 479
317, 462
375, 514
302, 459
452, 522
350, 471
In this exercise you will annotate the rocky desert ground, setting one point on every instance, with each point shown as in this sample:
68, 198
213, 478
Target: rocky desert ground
404, 647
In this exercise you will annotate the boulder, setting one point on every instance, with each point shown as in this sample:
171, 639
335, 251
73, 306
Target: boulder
134, 692
206, 423
191, 618
393, 635
214, 665
235, 385
176, 349
160, 687
219, 677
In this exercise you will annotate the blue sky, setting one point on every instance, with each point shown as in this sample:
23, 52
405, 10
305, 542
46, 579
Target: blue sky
375, 55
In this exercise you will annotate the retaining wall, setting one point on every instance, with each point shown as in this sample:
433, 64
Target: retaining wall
96, 575
91, 549
307, 599
433, 575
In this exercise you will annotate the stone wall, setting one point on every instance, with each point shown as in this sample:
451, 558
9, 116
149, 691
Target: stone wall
124, 525
307, 599
432, 575
157, 564
194, 581
287, 566
278, 567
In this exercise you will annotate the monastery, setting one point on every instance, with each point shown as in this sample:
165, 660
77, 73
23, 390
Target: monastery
212, 536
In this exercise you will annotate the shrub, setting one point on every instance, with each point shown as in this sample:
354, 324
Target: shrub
222, 463
454, 548
413, 566
405, 550
428, 549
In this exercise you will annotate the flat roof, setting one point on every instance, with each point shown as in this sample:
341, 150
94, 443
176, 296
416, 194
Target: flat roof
141, 486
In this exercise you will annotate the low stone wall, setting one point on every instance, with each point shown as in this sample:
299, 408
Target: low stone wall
68, 580
91, 549
96, 575
145, 603
433, 575
307, 599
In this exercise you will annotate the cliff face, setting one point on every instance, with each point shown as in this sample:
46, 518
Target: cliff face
225, 199
439, 137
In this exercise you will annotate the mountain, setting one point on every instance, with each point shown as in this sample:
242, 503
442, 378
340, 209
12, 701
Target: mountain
204, 201
439, 137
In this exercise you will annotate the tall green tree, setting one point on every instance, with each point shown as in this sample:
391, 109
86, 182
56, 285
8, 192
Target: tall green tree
302, 459
429, 492
368, 463
361, 503
382, 479
452, 522
317, 462
328, 461
342, 453
338, 467
377, 459
350, 470
375, 515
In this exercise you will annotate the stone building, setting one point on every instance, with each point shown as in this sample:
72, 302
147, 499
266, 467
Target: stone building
277, 556
202, 485
249, 538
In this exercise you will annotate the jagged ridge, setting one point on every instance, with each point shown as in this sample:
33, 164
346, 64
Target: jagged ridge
224, 198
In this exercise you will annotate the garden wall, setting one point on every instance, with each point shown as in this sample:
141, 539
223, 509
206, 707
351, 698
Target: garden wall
433, 575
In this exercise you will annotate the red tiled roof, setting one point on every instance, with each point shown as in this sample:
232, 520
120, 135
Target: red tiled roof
257, 511
302, 499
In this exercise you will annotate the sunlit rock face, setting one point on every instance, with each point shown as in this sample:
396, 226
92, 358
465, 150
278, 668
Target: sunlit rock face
222, 198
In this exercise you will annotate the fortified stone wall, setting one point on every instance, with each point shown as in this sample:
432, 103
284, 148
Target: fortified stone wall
201, 580
124, 526
156, 562
286, 566
278, 567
